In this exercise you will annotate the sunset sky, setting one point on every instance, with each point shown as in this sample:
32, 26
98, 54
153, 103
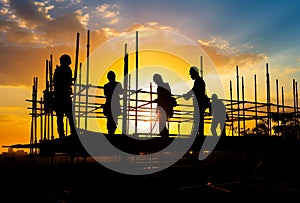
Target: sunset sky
248, 34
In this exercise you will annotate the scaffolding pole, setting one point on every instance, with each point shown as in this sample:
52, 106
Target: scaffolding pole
124, 120
87, 79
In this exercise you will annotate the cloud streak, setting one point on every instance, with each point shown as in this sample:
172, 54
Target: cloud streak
28, 14
29, 34
110, 12
226, 57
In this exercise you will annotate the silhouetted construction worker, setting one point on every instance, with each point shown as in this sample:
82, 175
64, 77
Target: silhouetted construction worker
62, 81
218, 111
112, 107
198, 92
164, 108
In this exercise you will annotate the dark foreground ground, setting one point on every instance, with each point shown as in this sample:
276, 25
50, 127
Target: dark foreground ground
188, 180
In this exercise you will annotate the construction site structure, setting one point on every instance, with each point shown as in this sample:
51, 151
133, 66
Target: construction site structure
272, 121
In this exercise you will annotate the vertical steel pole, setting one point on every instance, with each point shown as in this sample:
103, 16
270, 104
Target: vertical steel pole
51, 126
255, 98
87, 79
125, 99
136, 80
277, 102
243, 98
269, 105
201, 66
231, 106
238, 100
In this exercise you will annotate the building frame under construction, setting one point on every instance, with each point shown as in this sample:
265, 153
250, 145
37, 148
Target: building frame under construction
264, 116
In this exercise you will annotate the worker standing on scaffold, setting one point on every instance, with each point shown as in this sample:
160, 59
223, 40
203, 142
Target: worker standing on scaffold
112, 107
200, 100
164, 108
63, 81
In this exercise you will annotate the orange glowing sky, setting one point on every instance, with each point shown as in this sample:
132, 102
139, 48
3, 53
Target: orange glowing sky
31, 31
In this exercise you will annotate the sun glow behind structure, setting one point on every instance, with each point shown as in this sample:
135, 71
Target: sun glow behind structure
167, 53
155, 52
